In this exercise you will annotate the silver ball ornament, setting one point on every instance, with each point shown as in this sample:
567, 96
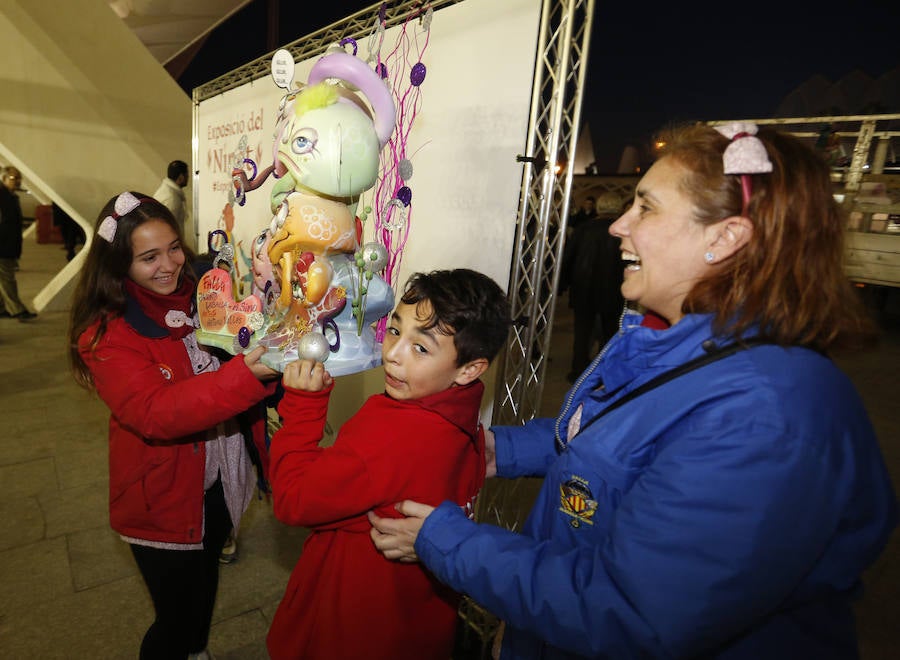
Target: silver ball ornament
313, 346
406, 169
374, 257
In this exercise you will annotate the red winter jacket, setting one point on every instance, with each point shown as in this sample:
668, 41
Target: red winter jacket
345, 600
159, 414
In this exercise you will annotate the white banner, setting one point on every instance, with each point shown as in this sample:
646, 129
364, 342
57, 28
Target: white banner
470, 123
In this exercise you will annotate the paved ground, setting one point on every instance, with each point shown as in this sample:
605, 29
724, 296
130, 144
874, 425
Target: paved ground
70, 587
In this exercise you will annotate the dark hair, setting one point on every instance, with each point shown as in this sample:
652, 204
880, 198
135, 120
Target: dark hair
177, 168
466, 305
789, 278
100, 292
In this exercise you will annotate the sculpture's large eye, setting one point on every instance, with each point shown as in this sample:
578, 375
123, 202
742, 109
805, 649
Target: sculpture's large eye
304, 141
260, 242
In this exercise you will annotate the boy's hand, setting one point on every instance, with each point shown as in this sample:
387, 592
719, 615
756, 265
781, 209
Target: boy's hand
306, 375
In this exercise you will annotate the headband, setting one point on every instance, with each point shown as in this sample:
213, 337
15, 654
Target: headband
125, 203
745, 155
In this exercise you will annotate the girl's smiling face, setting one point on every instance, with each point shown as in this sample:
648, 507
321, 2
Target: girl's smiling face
662, 242
157, 257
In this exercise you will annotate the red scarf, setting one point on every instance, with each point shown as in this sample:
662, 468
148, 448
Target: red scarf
655, 321
156, 306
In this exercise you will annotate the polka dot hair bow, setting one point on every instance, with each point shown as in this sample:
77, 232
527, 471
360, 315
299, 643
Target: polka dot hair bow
125, 203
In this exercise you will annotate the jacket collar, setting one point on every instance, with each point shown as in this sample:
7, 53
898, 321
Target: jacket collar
174, 187
459, 405
135, 317
641, 350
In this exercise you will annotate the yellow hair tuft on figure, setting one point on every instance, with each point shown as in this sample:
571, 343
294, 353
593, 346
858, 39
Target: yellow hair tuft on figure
316, 96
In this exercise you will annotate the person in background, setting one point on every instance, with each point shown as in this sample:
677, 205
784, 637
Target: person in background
710, 489
171, 191
587, 212
180, 469
422, 437
592, 274
11, 246
71, 231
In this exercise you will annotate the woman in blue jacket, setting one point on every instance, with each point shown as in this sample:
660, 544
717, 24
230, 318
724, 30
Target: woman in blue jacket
713, 489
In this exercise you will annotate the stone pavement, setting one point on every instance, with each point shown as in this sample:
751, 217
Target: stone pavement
70, 587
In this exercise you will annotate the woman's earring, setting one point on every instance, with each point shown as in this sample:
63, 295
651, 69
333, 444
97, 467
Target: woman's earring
708, 257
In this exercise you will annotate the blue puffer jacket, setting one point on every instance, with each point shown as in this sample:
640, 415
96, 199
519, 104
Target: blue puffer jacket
726, 514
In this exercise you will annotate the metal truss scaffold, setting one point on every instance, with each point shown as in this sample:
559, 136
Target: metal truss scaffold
357, 26
555, 117
554, 121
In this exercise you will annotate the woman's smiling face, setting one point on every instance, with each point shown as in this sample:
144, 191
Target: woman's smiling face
157, 257
662, 242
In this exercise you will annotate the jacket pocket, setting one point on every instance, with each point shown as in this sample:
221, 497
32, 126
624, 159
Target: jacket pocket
131, 461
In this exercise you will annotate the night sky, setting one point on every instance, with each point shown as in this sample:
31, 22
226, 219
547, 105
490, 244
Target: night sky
666, 62
650, 63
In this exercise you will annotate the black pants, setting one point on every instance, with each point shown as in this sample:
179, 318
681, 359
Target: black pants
72, 234
183, 584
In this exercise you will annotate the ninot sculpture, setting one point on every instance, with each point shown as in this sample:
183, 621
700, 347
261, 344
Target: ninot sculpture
315, 292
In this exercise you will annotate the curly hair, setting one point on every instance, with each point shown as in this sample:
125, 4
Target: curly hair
465, 304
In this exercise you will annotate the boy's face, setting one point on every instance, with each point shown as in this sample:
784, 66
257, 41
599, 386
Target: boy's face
418, 362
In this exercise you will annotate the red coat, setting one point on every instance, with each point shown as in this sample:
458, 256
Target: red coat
159, 413
344, 600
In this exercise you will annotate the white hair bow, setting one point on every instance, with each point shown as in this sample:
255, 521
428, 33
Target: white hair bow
125, 203
746, 154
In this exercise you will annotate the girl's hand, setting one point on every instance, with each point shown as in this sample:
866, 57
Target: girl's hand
306, 375
395, 538
261, 371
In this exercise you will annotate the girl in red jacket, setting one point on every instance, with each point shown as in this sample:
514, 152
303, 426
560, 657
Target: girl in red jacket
180, 469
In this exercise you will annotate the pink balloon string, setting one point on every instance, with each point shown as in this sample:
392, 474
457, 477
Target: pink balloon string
390, 230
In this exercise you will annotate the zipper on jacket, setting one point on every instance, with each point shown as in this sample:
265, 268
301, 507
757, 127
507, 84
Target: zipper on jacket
577, 384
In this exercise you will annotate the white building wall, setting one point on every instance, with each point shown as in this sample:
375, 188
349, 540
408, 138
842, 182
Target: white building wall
85, 111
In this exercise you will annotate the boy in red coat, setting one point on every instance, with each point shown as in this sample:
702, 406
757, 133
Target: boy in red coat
419, 440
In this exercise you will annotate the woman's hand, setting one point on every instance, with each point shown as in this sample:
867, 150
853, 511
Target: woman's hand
490, 454
395, 538
306, 375
257, 368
